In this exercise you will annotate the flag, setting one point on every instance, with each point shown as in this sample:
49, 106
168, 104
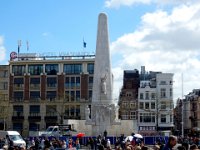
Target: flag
84, 44
27, 44
19, 45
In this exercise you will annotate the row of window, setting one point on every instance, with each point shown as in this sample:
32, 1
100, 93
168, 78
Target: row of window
151, 105
51, 69
51, 82
34, 110
152, 96
73, 95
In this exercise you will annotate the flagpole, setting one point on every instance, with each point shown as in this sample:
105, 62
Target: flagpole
19, 45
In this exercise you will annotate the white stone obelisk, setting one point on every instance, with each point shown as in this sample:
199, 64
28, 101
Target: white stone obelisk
103, 110
102, 84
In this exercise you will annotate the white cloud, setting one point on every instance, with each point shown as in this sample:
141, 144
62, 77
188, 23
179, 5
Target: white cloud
118, 3
167, 42
2, 50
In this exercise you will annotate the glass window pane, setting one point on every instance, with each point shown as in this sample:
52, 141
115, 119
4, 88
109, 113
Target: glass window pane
35, 69
18, 70
72, 68
90, 68
51, 69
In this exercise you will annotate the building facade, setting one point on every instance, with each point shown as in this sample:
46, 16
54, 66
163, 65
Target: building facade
4, 101
154, 101
191, 113
128, 95
47, 90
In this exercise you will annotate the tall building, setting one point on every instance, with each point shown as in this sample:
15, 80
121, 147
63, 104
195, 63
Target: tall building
128, 95
4, 102
46, 90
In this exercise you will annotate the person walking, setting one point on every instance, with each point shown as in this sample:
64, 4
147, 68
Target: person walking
171, 143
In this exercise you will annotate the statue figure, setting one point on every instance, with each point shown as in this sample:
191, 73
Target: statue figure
114, 113
87, 113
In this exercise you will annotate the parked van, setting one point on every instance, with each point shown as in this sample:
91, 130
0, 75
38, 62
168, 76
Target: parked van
14, 136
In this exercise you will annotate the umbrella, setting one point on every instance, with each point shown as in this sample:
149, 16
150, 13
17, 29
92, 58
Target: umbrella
139, 136
80, 135
130, 138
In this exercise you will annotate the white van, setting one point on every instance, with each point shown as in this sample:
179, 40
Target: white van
14, 136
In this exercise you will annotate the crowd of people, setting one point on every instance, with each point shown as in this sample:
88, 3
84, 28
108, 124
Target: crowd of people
103, 143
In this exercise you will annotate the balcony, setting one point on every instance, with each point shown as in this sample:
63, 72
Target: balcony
72, 117
17, 118
51, 118
34, 117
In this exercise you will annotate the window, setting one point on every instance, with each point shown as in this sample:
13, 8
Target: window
153, 96
72, 95
51, 95
17, 126
163, 105
141, 105
125, 115
34, 127
51, 110
34, 110
146, 105
90, 94
78, 110
147, 95
77, 95
3, 85
35, 69
133, 105
51, 69
147, 117
72, 111
78, 82
18, 96
67, 83
141, 96
17, 110
163, 93
132, 115
72, 82
18, 83
153, 105
67, 96
67, 110
171, 118
90, 68
163, 118
51, 82
18, 70
170, 92
35, 83
35, 95
125, 105
128, 94
163, 83
90, 82
72, 68
4, 74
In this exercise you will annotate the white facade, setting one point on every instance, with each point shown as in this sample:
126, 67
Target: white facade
147, 108
155, 104
164, 86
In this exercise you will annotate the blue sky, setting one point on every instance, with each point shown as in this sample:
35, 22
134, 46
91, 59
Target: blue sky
159, 34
